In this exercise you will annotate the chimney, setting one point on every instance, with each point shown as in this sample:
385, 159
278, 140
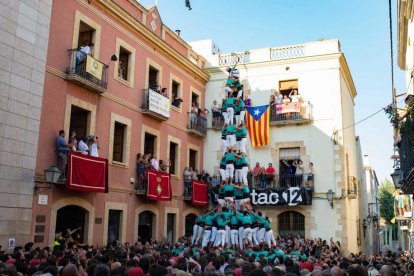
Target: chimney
178, 32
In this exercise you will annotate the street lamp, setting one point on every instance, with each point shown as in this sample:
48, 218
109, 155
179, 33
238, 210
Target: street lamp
396, 175
52, 175
330, 197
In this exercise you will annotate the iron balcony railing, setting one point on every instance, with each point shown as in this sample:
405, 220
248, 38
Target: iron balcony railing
155, 104
282, 181
287, 52
290, 113
94, 75
197, 123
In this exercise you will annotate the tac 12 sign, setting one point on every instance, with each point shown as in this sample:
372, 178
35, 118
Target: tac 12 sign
282, 196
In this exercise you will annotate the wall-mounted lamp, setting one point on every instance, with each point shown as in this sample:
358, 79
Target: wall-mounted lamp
330, 197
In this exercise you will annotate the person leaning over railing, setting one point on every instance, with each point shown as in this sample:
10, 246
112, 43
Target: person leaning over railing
187, 176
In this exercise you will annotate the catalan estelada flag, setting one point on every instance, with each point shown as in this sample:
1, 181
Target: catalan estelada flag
258, 125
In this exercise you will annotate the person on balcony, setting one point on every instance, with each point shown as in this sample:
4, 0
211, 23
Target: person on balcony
248, 101
310, 175
295, 98
164, 92
263, 179
298, 164
287, 173
140, 169
187, 176
215, 109
270, 175
176, 102
73, 140
154, 163
62, 148
94, 146
256, 175
272, 100
83, 146
194, 115
84, 50
278, 97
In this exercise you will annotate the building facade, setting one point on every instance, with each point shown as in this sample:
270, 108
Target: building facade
320, 132
23, 43
111, 90
403, 144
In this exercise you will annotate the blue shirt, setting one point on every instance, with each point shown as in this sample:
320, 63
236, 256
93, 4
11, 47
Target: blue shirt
60, 145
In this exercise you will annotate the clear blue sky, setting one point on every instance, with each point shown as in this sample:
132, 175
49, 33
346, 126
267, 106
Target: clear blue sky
361, 26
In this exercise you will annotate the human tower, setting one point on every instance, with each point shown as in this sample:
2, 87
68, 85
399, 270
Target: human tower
233, 223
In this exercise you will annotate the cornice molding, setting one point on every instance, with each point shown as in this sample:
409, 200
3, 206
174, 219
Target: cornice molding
136, 26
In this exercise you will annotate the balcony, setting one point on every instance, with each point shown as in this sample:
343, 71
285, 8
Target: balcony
217, 123
406, 152
290, 113
87, 72
141, 188
197, 124
155, 105
188, 191
283, 181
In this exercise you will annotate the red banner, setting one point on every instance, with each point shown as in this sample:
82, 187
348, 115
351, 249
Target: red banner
159, 185
200, 193
287, 107
87, 173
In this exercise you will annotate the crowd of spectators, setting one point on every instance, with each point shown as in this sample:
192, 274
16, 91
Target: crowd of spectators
291, 256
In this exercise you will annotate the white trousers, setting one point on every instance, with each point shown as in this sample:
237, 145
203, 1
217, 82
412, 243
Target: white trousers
270, 238
225, 116
241, 145
206, 237
234, 236
261, 235
247, 234
243, 173
213, 234
241, 229
255, 232
230, 116
197, 231
238, 176
229, 170
223, 174
220, 238
242, 114
230, 140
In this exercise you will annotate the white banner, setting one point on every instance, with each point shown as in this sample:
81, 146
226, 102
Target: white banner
158, 103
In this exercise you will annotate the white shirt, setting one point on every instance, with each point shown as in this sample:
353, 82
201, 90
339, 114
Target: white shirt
86, 50
155, 164
83, 147
94, 150
295, 98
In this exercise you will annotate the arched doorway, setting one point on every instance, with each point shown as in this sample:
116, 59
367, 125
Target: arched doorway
72, 217
190, 220
292, 223
146, 226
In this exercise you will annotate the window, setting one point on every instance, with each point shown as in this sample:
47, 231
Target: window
175, 89
85, 31
189, 223
194, 98
153, 78
170, 227
86, 34
123, 64
173, 158
286, 86
150, 143
119, 140
118, 147
79, 119
291, 223
192, 160
114, 224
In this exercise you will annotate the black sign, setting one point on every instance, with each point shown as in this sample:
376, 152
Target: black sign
282, 196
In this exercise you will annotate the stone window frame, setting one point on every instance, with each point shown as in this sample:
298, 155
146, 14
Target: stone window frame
127, 140
131, 62
124, 218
